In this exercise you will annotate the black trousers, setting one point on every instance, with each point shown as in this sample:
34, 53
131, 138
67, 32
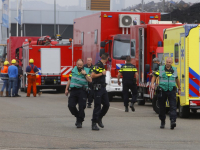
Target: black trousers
171, 96
100, 97
77, 96
90, 94
127, 84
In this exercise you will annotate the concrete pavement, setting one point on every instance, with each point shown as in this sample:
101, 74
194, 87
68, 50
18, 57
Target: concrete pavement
46, 123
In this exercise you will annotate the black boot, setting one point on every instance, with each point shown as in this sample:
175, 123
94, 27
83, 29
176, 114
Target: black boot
162, 126
79, 125
100, 123
94, 126
173, 124
132, 107
126, 109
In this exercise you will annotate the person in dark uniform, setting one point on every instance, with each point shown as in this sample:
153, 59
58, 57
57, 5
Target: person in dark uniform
100, 94
20, 74
167, 90
78, 84
90, 94
129, 80
156, 64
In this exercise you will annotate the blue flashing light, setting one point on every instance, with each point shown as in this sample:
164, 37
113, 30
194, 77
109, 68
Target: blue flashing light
109, 16
160, 44
151, 17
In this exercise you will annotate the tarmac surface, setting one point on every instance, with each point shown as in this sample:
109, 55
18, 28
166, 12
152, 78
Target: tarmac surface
45, 123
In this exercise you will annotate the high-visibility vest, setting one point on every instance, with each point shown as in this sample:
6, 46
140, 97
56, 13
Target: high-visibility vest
4, 73
167, 81
78, 80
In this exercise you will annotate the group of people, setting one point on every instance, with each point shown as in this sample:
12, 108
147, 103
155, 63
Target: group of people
78, 87
95, 75
88, 81
11, 76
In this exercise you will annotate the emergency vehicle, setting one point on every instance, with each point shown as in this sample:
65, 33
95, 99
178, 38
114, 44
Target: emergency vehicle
2, 54
15, 42
183, 45
146, 44
108, 32
54, 61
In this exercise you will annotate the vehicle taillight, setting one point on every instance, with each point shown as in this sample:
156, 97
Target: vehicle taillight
195, 103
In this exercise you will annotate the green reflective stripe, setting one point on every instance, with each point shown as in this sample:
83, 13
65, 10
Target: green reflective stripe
167, 80
76, 84
161, 80
79, 79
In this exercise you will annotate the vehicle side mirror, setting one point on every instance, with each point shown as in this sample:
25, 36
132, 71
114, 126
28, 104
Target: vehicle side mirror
4, 55
103, 44
147, 68
102, 51
132, 44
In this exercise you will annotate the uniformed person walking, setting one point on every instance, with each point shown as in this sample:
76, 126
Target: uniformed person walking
90, 93
129, 80
156, 64
100, 94
167, 90
78, 85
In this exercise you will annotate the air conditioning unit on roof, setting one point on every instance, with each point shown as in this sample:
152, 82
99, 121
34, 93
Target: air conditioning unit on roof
126, 20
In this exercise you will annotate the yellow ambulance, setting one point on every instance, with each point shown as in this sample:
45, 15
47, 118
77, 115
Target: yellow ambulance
183, 45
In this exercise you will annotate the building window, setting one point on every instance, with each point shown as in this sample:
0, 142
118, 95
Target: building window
133, 48
95, 36
82, 38
176, 54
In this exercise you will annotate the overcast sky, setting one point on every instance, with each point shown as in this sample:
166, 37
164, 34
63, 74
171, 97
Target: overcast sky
127, 2
76, 2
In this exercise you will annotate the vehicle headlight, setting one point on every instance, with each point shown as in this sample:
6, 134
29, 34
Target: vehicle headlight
114, 81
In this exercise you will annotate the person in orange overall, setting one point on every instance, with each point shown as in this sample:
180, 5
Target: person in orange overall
4, 77
31, 71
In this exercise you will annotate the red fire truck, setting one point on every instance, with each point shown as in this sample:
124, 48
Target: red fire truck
15, 42
111, 31
54, 61
146, 44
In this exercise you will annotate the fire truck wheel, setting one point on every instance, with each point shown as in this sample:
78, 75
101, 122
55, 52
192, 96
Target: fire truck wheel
155, 104
141, 102
110, 96
184, 111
